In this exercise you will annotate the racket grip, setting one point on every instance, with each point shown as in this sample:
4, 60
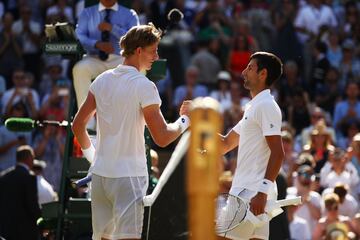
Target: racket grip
81, 182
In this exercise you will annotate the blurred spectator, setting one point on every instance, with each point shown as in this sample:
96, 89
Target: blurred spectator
56, 103
348, 206
49, 145
207, 64
53, 74
46, 192
317, 117
331, 202
19, 200
287, 45
351, 18
310, 18
299, 110
222, 93
21, 91
2, 85
155, 171
290, 157
310, 208
334, 52
191, 89
289, 85
341, 171
11, 47
320, 145
328, 95
9, 140
60, 12
349, 130
30, 33
349, 66
239, 56
348, 108
99, 29
299, 227
356, 225
2, 10
319, 67
354, 152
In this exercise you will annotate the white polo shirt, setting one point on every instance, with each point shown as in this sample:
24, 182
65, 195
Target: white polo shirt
312, 18
120, 95
262, 117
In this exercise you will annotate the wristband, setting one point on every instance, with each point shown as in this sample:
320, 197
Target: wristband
265, 186
89, 153
183, 122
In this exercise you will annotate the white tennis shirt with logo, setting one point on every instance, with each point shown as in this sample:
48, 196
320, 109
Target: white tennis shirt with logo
121, 94
262, 117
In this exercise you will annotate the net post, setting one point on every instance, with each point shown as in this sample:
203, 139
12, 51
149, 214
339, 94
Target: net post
202, 167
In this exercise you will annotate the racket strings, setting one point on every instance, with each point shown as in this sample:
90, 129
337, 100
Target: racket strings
230, 212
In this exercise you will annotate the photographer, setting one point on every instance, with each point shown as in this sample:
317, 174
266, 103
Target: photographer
21, 91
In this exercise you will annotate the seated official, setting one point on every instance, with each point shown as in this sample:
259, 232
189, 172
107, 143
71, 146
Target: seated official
99, 30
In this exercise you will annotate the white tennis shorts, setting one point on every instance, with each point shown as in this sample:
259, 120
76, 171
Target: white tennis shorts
244, 228
117, 206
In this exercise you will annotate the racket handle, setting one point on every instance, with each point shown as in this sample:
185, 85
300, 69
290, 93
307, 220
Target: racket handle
273, 205
81, 182
290, 201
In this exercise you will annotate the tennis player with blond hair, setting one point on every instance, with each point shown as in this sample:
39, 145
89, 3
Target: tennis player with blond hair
124, 101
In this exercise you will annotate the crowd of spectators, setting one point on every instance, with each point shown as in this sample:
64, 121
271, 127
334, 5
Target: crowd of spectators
317, 40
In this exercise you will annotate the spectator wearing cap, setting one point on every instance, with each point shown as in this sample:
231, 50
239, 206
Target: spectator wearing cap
222, 93
317, 114
348, 206
320, 145
348, 108
332, 216
310, 208
19, 206
46, 192
341, 171
299, 227
349, 66
191, 89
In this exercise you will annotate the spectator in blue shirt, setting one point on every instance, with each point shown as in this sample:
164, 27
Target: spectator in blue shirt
348, 109
191, 89
99, 30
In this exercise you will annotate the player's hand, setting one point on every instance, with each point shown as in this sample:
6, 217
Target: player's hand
185, 108
105, 26
105, 46
257, 203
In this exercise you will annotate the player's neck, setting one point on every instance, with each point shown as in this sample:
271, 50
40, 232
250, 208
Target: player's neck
131, 61
255, 92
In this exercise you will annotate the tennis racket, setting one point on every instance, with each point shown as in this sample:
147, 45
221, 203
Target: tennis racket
232, 210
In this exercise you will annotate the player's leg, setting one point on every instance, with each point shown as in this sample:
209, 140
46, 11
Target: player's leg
128, 193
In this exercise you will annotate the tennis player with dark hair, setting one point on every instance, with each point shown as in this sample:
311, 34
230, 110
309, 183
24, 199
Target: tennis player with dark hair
258, 137
124, 101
